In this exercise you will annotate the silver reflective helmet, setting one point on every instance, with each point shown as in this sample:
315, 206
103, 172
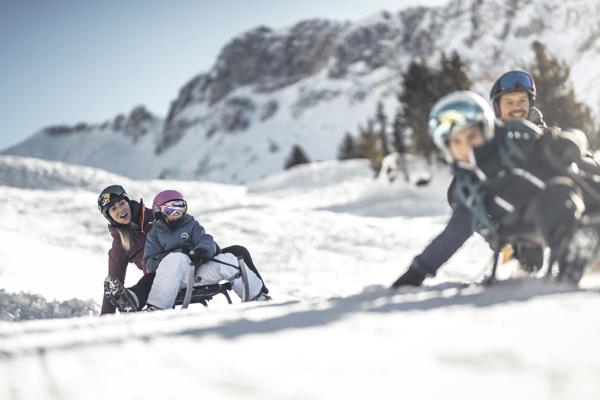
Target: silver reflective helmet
456, 111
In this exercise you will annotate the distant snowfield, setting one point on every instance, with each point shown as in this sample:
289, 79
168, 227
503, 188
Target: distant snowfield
329, 240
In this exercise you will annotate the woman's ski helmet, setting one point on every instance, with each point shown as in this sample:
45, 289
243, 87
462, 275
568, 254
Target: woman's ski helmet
169, 202
459, 110
512, 81
109, 196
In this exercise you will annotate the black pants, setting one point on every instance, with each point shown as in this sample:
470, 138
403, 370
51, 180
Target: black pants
142, 288
556, 211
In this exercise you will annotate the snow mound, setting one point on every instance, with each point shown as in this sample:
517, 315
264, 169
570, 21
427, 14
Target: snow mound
465, 337
313, 176
35, 173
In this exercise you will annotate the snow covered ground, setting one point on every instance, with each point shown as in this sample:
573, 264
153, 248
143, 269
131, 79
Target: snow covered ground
328, 239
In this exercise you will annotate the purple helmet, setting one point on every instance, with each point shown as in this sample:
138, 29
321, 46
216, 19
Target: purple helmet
169, 202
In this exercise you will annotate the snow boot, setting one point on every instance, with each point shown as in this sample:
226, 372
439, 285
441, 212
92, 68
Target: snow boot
262, 296
580, 252
123, 299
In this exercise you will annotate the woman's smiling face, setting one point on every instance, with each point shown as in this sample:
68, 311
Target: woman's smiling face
120, 212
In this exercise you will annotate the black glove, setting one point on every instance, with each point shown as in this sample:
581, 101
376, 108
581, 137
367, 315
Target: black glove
411, 277
199, 256
563, 147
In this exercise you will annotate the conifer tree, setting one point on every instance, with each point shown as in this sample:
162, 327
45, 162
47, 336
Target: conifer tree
555, 94
369, 147
452, 75
296, 157
417, 98
422, 87
399, 128
348, 149
382, 123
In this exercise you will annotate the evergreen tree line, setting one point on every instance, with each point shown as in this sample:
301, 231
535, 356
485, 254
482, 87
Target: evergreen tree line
423, 85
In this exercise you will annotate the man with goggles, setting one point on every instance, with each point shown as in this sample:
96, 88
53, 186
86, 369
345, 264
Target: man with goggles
513, 97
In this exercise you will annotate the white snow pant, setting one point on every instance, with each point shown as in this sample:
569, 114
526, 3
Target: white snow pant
172, 275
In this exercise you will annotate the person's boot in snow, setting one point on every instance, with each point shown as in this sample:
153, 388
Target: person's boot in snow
580, 251
123, 299
412, 277
262, 296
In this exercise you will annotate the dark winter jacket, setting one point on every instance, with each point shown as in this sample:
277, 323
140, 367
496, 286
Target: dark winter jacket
183, 235
118, 257
511, 169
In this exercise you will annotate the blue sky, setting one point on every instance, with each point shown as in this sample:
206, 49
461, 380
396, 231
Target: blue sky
64, 62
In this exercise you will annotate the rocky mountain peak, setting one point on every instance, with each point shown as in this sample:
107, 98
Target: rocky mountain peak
311, 82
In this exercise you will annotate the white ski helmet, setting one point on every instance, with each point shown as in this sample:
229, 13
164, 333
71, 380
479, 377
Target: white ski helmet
456, 111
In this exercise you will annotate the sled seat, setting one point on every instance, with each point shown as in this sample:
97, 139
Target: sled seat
203, 293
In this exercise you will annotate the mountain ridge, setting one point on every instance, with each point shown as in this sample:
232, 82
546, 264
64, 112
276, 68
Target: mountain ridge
313, 81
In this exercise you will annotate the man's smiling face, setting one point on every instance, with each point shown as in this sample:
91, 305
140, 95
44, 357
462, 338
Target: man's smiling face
514, 105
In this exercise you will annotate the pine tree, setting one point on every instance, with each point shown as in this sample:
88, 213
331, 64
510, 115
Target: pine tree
296, 157
398, 133
399, 129
452, 75
382, 123
417, 97
369, 147
556, 96
422, 87
348, 149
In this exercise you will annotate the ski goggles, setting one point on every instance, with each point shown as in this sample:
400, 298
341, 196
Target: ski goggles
110, 195
173, 208
516, 80
456, 116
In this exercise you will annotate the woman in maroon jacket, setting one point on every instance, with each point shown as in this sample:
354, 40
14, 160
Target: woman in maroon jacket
129, 222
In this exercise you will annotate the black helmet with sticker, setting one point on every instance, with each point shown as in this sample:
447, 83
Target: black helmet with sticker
109, 196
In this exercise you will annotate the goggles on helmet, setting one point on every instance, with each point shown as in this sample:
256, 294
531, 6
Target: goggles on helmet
109, 195
516, 80
455, 116
173, 208
456, 111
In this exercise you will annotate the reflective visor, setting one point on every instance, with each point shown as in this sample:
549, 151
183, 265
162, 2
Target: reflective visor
174, 207
516, 80
455, 116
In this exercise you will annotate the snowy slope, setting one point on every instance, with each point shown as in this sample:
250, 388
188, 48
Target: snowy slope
312, 82
326, 238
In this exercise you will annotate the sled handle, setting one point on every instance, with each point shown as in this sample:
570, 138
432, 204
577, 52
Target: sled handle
190, 286
245, 286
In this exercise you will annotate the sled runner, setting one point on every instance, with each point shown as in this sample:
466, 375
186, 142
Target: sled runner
196, 292
203, 293
569, 264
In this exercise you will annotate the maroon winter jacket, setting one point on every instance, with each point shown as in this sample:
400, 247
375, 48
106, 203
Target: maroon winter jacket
118, 258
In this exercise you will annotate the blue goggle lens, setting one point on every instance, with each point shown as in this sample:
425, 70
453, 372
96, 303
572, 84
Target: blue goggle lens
516, 80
